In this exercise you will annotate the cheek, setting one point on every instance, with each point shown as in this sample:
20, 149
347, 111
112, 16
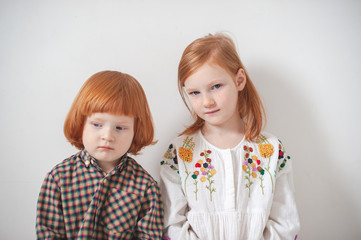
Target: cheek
88, 136
84, 135
126, 138
194, 102
230, 96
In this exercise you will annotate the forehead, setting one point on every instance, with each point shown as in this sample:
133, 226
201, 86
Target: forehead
107, 117
206, 74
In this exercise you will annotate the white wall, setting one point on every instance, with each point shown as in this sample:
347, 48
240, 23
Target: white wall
305, 59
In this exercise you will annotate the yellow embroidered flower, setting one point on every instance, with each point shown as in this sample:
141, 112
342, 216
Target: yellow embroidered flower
253, 164
186, 154
203, 179
244, 168
254, 174
213, 171
266, 150
166, 155
203, 169
254, 157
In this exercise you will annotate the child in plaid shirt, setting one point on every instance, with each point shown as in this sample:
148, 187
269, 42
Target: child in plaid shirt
101, 192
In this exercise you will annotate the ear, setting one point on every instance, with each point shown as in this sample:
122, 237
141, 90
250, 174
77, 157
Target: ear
241, 79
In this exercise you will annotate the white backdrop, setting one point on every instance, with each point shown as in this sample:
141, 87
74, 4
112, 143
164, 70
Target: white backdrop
304, 58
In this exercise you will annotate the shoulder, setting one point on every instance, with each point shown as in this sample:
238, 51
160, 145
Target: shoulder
266, 145
182, 140
276, 146
65, 166
139, 174
60, 172
182, 147
179, 145
268, 138
272, 139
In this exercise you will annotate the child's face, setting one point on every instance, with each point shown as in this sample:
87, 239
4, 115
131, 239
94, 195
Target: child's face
213, 94
107, 137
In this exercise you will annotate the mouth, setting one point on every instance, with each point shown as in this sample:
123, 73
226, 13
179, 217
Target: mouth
213, 111
106, 148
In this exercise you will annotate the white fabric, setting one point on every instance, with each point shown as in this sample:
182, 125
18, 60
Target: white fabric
231, 210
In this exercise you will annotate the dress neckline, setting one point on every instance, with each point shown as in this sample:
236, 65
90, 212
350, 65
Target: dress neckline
218, 148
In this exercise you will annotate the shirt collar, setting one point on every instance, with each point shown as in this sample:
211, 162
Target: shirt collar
88, 160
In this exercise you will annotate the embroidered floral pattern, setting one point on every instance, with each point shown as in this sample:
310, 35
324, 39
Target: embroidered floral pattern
186, 154
282, 157
206, 172
266, 150
171, 158
251, 166
195, 177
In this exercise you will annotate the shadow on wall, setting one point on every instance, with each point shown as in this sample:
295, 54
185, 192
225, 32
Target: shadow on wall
325, 207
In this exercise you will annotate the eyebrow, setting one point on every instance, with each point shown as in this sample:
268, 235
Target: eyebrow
212, 83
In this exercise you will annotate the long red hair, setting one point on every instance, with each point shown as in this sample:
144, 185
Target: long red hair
221, 50
114, 93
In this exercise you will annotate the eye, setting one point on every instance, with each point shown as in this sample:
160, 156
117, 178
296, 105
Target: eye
216, 86
194, 93
96, 124
120, 128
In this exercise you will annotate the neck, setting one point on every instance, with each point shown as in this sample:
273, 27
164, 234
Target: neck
108, 166
227, 136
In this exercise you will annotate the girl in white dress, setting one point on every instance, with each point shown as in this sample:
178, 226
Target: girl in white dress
223, 178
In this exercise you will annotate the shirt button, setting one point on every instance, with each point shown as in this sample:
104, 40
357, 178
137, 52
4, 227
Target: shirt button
87, 163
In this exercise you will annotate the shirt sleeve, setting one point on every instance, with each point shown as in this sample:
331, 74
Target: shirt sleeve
283, 221
49, 219
176, 225
150, 225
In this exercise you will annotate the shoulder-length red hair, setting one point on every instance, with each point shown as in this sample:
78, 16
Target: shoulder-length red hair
221, 50
114, 93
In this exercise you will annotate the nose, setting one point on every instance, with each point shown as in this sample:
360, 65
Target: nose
107, 135
208, 101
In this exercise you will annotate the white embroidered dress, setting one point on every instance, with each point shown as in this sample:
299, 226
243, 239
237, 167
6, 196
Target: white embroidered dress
242, 193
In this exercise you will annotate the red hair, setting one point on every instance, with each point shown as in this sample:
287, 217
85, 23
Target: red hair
221, 50
114, 93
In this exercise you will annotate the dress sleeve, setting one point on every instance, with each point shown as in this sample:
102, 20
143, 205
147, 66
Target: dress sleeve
283, 221
150, 225
176, 225
49, 219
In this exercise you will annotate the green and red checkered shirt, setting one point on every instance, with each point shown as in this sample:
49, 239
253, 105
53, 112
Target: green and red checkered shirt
79, 201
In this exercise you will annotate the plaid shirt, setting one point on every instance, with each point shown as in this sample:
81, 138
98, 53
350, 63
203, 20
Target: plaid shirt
78, 200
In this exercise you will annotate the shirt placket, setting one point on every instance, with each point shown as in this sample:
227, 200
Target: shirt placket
229, 203
90, 226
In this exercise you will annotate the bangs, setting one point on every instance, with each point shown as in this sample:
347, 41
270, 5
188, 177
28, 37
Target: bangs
111, 96
117, 103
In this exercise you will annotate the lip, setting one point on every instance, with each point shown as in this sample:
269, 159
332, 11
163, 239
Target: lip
106, 148
213, 111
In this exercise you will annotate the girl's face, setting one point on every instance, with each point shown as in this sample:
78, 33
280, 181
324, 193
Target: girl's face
213, 94
107, 137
